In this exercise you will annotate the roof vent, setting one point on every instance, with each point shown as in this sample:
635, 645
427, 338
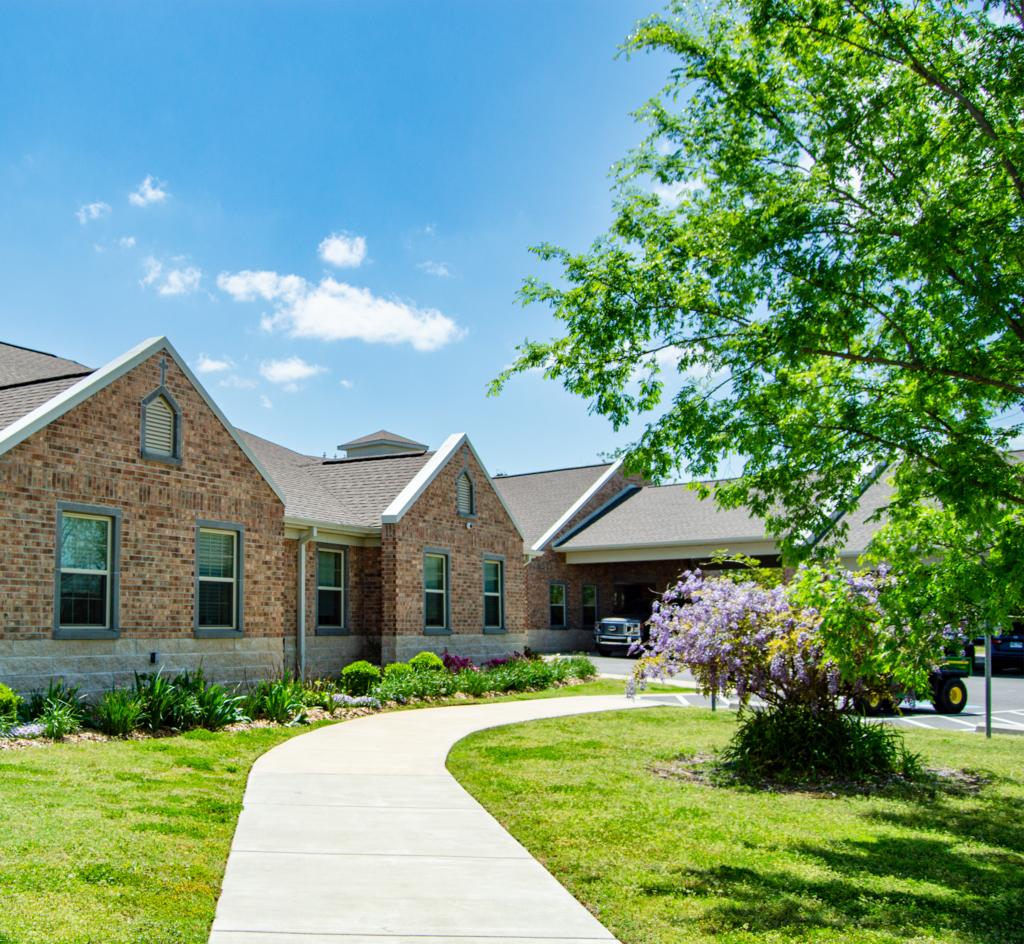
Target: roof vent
160, 427
381, 443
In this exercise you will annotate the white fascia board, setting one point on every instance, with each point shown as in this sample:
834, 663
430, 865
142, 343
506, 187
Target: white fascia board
291, 521
653, 552
576, 506
723, 541
46, 413
407, 497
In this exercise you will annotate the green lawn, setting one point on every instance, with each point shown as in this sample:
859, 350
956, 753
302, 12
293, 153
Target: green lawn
661, 860
126, 841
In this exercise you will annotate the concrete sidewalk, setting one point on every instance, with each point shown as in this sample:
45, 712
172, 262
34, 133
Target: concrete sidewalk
357, 834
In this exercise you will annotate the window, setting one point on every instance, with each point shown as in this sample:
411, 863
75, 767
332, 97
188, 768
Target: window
330, 589
85, 570
494, 594
435, 592
220, 556
161, 427
466, 498
87, 561
556, 596
589, 604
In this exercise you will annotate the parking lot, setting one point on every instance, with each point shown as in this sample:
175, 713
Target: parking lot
1007, 700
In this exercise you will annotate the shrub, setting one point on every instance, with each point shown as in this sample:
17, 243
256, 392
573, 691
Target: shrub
397, 668
790, 741
501, 660
276, 701
427, 661
160, 701
56, 691
530, 655
10, 702
217, 709
317, 694
359, 677
59, 719
118, 712
579, 667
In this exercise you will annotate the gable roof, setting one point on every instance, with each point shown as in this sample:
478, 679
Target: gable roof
80, 390
663, 515
407, 497
22, 365
382, 436
544, 502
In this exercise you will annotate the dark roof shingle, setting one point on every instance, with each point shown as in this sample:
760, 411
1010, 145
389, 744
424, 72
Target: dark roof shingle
20, 365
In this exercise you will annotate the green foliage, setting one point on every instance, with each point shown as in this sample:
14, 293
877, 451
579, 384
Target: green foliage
59, 719
164, 705
10, 702
118, 712
427, 661
276, 700
217, 709
359, 677
56, 691
317, 694
795, 741
397, 668
837, 284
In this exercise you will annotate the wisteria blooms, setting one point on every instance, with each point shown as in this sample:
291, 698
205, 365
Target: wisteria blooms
818, 641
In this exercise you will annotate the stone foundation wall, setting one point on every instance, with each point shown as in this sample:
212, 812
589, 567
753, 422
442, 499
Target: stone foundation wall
98, 664
477, 648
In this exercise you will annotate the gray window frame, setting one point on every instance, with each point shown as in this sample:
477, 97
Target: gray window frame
446, 630
503, 628
597, 605
113, 631
175, 457
221, 633
565, 605
319, 630
472, 494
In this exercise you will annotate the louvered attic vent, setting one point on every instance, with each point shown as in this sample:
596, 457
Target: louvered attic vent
465, 494
160, 427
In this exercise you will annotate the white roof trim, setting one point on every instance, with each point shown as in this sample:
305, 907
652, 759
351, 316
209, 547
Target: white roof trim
577, 505
45, 414
408, 495
295, 521
568, 549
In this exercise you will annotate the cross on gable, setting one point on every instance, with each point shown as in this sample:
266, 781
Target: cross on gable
163, 371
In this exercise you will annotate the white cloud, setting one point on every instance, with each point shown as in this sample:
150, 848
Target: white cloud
175, 282
242, 383
208, 365
343, 250
347, 384
181, 282
153, 268
286, 372
150, 191
98, 247
266, 401
430, 229
435, 268
333, 311
127, 242
92, 211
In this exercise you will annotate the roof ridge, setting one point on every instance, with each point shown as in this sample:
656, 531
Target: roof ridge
42, 380
568, 468
392, 455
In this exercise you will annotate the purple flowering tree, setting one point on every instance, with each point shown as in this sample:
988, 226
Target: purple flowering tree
818, 642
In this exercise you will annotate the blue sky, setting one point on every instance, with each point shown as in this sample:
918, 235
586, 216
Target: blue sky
326, 207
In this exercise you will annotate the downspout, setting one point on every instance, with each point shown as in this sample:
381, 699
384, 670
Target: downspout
300, 606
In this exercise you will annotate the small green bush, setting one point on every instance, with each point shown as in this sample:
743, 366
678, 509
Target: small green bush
56, 691
317, 694
427, 661
59, 719
794, 741
276, 701
398, 668
359, 677
10, 702
118, 712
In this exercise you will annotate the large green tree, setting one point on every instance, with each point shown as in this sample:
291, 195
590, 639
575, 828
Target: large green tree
840, 280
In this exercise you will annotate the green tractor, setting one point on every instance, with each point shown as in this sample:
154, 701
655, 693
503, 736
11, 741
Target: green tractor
948, 691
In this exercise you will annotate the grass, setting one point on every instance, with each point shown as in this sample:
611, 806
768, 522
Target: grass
126, 841
663, 860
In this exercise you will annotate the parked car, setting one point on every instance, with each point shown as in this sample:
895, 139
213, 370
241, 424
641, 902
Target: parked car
616, 634
948, 691
1007, 651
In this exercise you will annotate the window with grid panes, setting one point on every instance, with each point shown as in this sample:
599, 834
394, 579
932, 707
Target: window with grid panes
435, 591
85, 570
556, 594
218, 574
494, 594
330, 588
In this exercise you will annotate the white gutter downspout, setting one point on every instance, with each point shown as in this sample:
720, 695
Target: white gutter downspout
300, 628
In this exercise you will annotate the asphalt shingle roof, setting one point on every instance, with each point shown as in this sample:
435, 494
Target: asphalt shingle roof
665, 514
382, 434
16, 402
339, 491
539, 499
19, 365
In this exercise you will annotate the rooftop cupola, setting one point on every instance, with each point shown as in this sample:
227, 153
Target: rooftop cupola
381, 443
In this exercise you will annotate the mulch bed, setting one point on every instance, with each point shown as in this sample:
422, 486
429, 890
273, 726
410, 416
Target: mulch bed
703, 769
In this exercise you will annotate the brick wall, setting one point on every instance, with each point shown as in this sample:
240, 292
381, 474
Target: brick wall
433, 522
90, 455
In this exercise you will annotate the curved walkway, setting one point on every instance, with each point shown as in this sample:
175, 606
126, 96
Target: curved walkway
357, 834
